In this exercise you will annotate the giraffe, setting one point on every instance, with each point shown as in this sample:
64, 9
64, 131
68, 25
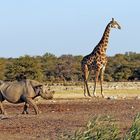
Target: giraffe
96, 61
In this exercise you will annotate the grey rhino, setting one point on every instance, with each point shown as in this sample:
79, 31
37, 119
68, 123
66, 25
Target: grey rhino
22, 91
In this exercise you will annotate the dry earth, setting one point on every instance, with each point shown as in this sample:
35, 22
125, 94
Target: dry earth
62, 116
69, 111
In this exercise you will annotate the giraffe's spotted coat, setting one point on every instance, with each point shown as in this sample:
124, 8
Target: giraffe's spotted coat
96, 61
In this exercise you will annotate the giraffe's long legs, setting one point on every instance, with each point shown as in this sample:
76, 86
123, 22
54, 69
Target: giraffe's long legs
94, 91
86, 86
95, 81
101, 80
85, 76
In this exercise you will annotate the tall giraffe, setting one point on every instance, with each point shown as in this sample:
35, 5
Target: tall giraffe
96, 61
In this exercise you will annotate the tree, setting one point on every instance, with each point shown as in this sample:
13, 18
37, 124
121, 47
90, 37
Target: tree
121, 67
3, 63
27, 65
48, 65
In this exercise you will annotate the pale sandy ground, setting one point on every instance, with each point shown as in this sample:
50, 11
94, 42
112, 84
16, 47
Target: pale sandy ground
116, 90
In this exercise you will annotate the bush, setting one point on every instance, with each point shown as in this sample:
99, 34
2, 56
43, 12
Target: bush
105, 128
99, 128
134, 131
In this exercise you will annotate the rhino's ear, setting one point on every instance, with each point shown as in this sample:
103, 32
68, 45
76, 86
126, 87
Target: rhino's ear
36, 83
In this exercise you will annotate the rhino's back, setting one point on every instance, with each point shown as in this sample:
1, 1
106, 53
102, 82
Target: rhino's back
12, 91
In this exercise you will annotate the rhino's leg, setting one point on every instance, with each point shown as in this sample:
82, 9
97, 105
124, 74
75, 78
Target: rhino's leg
25, 111
2, 109
1, 105
32, 103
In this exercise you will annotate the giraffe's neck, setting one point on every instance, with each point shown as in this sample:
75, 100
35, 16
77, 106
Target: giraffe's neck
105, 36
102, 45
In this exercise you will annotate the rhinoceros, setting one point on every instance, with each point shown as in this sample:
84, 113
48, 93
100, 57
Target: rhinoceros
22, 91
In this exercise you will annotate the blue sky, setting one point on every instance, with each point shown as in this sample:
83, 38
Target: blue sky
34, 27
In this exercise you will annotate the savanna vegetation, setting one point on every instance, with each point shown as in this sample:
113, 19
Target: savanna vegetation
121, 67
105, 128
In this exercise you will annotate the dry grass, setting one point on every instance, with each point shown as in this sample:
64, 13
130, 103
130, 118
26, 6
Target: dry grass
114, 90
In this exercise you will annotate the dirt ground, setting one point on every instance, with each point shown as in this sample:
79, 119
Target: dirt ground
63, 116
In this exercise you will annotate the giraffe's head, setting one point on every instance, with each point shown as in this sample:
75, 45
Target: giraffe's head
114, 24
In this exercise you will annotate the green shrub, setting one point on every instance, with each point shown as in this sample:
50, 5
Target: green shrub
99, 128
134, 131
105, 128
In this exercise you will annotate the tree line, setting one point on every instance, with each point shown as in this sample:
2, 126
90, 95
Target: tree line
121, 67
